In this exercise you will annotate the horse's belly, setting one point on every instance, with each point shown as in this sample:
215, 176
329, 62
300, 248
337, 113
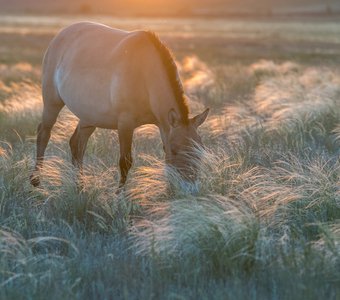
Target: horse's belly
92, 115
89, 100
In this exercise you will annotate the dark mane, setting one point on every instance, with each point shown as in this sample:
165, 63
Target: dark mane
172, 72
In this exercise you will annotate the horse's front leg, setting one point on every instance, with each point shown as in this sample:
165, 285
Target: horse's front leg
125, 133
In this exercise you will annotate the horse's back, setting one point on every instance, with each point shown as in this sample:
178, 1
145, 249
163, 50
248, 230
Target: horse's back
81, 45
85, 34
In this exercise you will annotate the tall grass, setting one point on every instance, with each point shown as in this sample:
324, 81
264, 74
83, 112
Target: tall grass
261, 223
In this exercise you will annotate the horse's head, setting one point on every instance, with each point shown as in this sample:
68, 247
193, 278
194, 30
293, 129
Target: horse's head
181, 148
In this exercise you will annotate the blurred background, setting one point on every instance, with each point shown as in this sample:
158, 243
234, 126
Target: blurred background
175, 7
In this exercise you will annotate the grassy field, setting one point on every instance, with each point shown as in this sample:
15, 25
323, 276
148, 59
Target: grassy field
265, 222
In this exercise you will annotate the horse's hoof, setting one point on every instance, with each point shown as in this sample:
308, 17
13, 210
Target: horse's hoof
118, 191
35, 181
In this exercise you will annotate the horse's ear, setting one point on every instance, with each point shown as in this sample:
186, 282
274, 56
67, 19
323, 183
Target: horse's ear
173, 118
199, 119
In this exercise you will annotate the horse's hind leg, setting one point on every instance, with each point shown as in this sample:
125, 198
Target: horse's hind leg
50, 114
78, 143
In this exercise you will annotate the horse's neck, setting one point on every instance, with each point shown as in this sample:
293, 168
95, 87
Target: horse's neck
161, 95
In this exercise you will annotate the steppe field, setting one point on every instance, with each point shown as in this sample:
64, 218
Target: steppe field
265, 221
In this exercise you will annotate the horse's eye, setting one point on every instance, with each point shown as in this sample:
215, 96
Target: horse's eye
173, 151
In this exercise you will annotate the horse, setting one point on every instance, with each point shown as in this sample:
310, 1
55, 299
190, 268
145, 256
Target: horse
115, 79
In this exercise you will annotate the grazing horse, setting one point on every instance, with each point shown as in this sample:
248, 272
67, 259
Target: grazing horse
116, 79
